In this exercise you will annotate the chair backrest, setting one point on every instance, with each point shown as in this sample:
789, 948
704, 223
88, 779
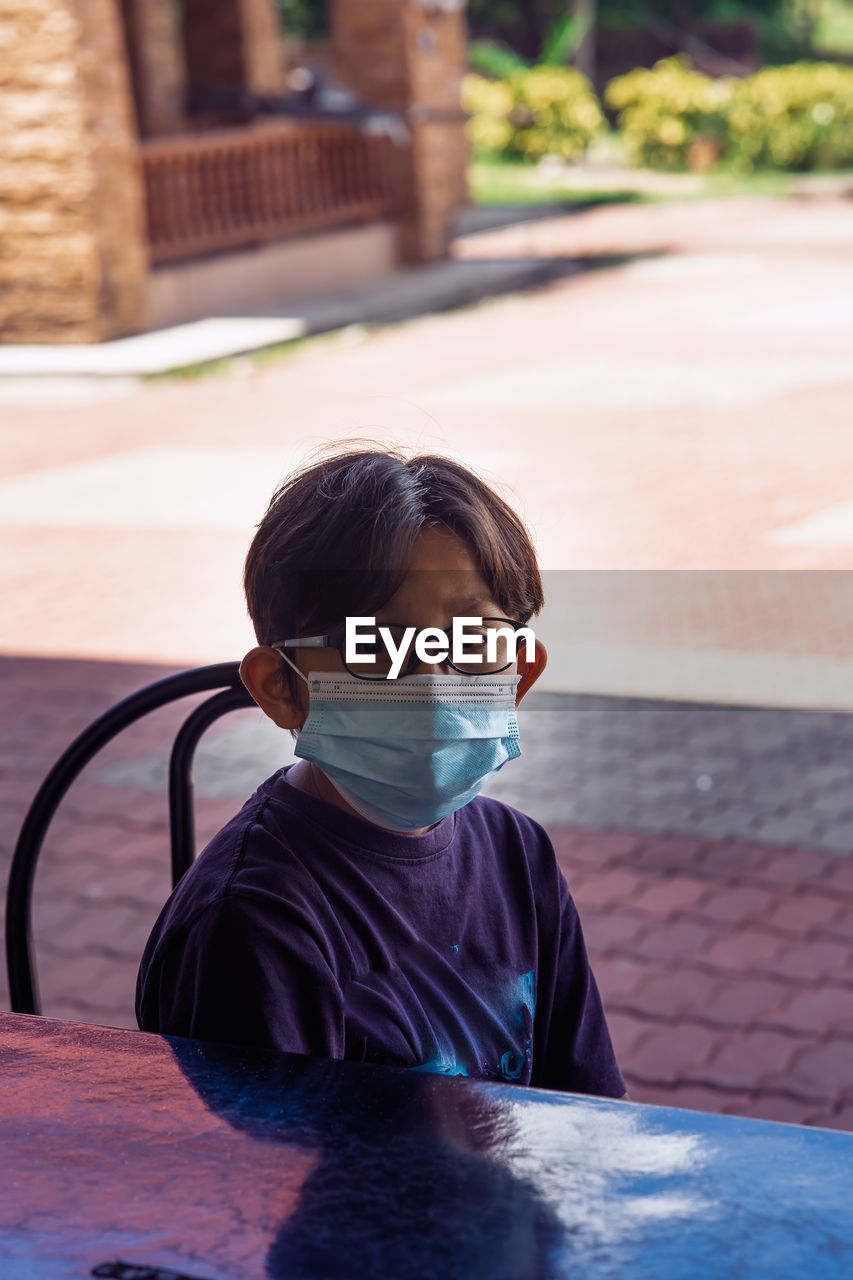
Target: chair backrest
20, 951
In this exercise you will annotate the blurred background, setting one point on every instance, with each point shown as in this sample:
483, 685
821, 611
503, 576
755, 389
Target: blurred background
601, 253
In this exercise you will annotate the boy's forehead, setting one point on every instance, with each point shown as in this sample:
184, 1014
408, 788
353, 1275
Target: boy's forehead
440, 550
455, 589
441, 570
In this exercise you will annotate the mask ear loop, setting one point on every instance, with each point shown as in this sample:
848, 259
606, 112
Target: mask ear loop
282, 654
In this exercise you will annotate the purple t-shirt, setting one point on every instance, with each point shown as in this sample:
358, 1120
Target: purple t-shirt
458, 951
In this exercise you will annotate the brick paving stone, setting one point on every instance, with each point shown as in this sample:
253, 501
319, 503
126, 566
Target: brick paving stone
673, 1053
778, 1107
733, 857
118, 853
610, 889
596, 848
128, 807
52, 916
69, 1007
803, 914
113, 840
822, 1072
688, 1096
81, 979
814, 961
799, 866
69, 878
611, 930
73, 839
123, 931
108, 985
747, 1060
667, 853
627, 1032
79, 929
143, 882
788, 828
833, 804
102, 1016
741, 1001
618, 977
671, 896
745, 951
206, 829
841, 928
577, 877
681, 941
838, 837
97, 891
839, 876
816, 1009
674, 992
841, 1118
732, 906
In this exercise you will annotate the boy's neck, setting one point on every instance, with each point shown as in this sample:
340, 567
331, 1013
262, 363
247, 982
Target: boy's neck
305, 776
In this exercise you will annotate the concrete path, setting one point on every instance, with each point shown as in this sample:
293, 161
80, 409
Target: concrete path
687, 410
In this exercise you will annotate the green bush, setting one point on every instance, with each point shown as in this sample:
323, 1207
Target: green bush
667, 114
797, 117
532, 113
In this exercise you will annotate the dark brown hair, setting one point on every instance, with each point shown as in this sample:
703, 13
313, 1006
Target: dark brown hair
337, 538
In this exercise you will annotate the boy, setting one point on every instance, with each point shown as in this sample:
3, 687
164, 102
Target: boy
364, 904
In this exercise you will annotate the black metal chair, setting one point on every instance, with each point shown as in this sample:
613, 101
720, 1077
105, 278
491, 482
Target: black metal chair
20, 951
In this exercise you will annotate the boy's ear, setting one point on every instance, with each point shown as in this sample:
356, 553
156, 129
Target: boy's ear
261, 673
530, 671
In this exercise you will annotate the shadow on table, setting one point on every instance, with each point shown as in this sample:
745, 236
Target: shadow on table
409, 1180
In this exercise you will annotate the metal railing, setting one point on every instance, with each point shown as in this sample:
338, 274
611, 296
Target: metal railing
234, 188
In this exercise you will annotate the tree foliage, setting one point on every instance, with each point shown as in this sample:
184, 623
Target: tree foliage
527, 26
303, 18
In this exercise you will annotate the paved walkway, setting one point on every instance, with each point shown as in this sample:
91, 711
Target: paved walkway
686, 411
726, 964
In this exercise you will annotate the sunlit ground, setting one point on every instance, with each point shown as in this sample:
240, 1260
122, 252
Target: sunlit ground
686, 410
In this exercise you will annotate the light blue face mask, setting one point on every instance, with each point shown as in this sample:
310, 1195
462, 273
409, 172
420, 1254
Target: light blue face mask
405, 753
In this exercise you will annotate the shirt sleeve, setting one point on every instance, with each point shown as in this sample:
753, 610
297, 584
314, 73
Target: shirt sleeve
236, 976
575, 1052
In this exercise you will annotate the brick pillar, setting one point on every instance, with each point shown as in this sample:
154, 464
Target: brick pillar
234, 44
264, 51
156, 53
409, 56
73, 257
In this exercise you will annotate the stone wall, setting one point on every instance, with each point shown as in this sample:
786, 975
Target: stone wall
73, 264
440, 187
408, 57
368, 50
436, 56
263, 45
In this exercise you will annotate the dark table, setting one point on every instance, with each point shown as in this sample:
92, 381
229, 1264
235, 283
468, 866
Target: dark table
222, 1164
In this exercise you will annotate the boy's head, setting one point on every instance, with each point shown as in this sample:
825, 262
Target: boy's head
338, 537
363, 529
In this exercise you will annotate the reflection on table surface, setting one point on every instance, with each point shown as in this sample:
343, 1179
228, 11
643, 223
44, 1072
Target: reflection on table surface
225, 1164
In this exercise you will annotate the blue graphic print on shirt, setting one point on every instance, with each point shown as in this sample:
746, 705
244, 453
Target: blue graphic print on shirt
513, 1007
